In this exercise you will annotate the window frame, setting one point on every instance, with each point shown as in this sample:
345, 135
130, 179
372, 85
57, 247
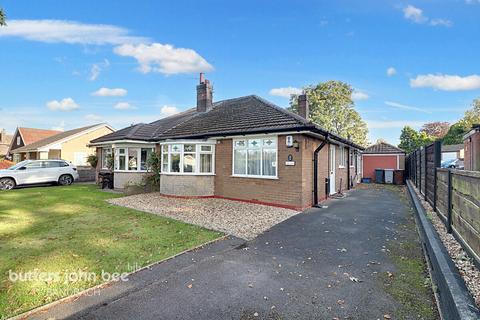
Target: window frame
342, 161
116, 155
166, 149
261, 149
105, 152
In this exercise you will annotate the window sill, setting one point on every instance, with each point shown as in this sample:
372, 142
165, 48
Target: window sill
253, 177
341, 167
132, 171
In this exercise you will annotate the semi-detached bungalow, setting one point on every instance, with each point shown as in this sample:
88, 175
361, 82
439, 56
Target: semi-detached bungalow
68, 145
243, 148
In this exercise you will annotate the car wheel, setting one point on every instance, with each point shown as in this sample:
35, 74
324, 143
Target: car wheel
65, 180
7, 184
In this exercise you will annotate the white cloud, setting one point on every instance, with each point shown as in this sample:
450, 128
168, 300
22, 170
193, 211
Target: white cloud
164, 58
285, 92
391, 71
446, 82
382, 124
169, 110
358, 95
97, 68
67, 104
405, 107
416, 15
62, 31
110, 92
123, 106
441, 22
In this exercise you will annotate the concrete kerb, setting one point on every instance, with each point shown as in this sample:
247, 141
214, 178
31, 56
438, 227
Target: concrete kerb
454, 299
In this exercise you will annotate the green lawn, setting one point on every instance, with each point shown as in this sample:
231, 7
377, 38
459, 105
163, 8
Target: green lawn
73, 230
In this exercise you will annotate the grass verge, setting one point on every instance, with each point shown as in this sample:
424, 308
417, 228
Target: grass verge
410, 285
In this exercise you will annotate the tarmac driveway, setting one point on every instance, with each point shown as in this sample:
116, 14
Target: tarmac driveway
357, 259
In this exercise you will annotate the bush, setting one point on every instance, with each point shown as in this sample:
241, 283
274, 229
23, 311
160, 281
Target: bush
92, 160
152, 178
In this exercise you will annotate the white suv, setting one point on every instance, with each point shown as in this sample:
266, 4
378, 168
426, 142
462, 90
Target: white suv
38, 171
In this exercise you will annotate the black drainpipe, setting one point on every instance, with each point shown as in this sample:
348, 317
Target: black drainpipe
348, 168
315, 170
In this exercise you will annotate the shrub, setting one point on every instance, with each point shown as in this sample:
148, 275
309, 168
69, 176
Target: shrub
92, 160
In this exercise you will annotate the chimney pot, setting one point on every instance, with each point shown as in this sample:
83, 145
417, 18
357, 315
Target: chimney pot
202, 79
303, 108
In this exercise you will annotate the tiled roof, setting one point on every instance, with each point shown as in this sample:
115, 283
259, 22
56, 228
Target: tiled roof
383, 147
240, 115
52, 139
244, 115
147, 131
31, 135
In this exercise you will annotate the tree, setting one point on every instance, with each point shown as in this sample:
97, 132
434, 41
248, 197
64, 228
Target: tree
458, 130
436, 129
410, 139
332, 107
3, 18
456, 133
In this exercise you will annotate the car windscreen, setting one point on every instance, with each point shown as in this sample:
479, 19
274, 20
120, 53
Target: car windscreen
18, 165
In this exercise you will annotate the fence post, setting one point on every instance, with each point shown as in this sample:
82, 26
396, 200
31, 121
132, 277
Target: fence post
437, 160
416, 169
449, 202
420, 171
426, 171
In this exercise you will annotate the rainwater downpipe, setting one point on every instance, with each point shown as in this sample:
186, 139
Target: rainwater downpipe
315, 170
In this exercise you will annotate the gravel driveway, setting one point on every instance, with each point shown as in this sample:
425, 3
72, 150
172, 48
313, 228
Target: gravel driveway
240, 219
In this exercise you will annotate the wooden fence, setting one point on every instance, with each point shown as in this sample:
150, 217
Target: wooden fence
453, 194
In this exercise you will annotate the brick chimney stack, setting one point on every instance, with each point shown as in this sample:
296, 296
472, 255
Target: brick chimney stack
204, 95
303, 108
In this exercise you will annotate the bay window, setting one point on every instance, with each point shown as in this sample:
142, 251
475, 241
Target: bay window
188, 158
132, 158
255, 157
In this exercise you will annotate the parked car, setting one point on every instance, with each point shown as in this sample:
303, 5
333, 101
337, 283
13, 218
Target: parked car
38, 171
453, 164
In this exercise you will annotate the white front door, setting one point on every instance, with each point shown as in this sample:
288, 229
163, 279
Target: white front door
332, 169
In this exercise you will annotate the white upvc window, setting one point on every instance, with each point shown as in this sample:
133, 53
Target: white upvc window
343, 160
131, 158
188, 158
106, 154
255, 157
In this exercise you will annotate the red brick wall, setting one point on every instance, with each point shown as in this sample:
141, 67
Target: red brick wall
294, 186
472, 152
370, 163
286, 190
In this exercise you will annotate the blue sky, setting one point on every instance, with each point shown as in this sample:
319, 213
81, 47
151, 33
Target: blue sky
411, 62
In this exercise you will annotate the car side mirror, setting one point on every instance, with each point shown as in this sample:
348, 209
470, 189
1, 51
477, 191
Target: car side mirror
22, 168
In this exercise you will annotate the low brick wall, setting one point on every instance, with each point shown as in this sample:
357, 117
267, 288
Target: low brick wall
86, 173
122, 179
184, 185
